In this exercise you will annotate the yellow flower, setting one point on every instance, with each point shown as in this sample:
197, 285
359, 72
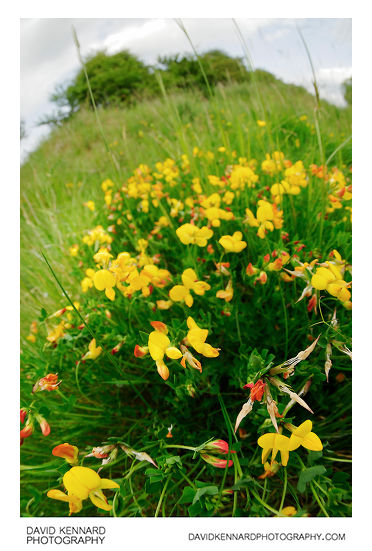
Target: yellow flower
93, 352
330, 279
272, 441
105, 280
81, 483
268, 218
289, 511
190, 234
87, 282
302, 436
74, 250
57, 332
213, 200
233, 243
102, 257
159, 345
107, 184
242, 176
180, 293
261, 123
197, 337
215, 214
90, 205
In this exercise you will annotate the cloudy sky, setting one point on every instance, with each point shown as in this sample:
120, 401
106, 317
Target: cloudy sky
48, 54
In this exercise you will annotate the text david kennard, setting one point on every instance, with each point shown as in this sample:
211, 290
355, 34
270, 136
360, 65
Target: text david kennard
65, 534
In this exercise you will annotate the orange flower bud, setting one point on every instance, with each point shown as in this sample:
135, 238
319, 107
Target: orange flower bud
159, 326
140, 351
66, 451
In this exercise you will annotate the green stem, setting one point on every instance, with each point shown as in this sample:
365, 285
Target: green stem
318, 499
284, 490
263, 503
161, 497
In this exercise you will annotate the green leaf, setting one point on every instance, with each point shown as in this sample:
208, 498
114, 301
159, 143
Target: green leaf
195, 509
307, 475
207, 490
187, 496
174, 459
43, 314
242, 483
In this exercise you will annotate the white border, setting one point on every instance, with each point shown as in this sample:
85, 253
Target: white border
168, 533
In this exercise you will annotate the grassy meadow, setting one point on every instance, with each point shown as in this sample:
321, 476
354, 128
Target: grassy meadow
171, 366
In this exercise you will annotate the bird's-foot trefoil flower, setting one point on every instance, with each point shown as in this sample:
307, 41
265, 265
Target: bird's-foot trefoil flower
196, 337
273, 442
159, 345
81, 483
180, 293
190, 234
233, 243
93, 352
302, 436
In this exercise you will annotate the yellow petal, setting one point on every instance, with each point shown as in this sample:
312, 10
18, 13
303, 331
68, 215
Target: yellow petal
189, 301
191, 323
106, 484
208, 351
103, 279
188, 278
99, 500
158, 342
178, 293
200, 287
79, 481
58, 494
294, 442
303, 429
162, 370
173, 353
312, 442
285, 456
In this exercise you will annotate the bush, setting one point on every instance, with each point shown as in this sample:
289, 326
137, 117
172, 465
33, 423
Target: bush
184, 72
114, 79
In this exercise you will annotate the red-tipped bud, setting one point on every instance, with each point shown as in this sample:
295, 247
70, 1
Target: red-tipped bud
116, 348
44, 426
140, 351
215, 461
218, 446
23, 413
250, 269
27, 430
262, 278
266, 258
